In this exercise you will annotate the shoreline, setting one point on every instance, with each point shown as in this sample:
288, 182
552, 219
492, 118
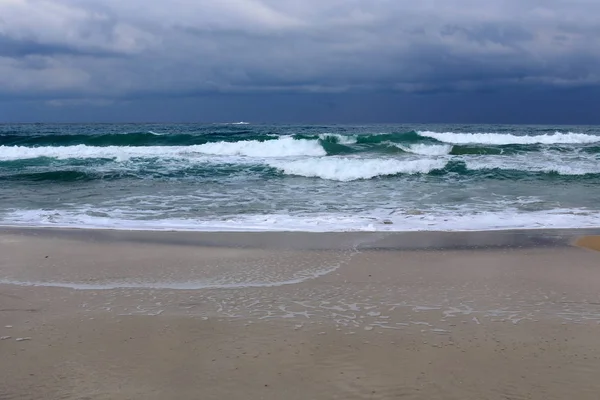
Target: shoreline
299, 230
382, 240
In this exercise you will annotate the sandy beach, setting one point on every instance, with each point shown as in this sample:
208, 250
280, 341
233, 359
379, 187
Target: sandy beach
100, 314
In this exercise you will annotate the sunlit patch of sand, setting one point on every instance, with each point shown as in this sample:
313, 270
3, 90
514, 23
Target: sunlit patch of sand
589, 242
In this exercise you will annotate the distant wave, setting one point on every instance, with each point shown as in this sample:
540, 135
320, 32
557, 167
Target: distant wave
335, 141
505, 138
283, 147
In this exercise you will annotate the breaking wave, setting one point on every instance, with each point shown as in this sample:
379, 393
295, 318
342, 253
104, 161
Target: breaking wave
350, 169
283, 147
425, 149
506, 138
298, 177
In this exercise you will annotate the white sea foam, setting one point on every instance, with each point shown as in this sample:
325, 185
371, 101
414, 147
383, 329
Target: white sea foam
543, 162
467, 219
505, 138
80, 151
341, 139
283, 147
350, 169
425, 149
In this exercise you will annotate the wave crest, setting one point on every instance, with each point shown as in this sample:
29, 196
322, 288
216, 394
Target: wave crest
283, 147
338, 138
351, 169
505, 138
425, 149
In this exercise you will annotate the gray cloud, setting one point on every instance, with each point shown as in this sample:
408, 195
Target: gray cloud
113, 49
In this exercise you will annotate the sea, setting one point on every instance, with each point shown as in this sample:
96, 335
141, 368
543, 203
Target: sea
264, 177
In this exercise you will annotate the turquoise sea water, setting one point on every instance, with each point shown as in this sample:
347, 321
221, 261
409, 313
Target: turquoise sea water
299, 177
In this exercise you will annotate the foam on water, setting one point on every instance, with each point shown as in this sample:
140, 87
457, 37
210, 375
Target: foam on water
424, 149
546, 163
505, 139
374, 220
282, 147
349, 169
341, 139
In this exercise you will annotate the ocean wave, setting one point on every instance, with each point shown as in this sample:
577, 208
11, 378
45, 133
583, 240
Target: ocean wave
81, 151
425, 149
283, 147
351, 169
338, 138
149, 138
270, 144
572, 168
197, 168
506, 138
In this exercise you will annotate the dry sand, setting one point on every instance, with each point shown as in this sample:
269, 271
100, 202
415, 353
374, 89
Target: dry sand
589, 242
139, 315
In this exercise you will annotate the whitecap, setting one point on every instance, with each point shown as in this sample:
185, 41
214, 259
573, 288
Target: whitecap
425, 149
341, 139
283, 147
505, 138
350, 169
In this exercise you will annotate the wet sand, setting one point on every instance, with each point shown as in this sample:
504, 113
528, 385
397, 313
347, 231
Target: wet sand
175, 315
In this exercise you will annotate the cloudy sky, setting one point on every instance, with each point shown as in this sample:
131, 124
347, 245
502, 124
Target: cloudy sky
513, 61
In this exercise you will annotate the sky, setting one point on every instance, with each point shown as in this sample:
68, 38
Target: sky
313, 61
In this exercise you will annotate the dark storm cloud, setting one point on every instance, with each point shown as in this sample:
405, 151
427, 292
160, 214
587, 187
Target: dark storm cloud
101, 51
22, 48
